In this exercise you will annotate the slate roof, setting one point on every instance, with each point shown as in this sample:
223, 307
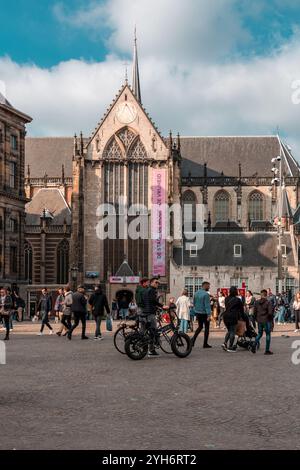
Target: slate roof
223, 154
258, 249
53, 201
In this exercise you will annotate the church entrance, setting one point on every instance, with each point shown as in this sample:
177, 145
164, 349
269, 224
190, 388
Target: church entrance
124, 296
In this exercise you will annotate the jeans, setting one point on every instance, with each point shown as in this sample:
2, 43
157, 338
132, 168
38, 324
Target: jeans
280, 314
79, 316
6, 321
65, 323
297, 318
123, 313
202, 321
98, 326
184, 324
45, 321
150, 322
222, 310
230, 335
267, 327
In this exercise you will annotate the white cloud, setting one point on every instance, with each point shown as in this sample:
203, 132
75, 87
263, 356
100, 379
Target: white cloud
180, 91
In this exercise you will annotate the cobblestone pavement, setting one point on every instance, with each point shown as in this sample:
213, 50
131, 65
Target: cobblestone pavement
57, 394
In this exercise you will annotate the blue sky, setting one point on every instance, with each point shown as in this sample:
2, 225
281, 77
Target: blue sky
31, 31
208, 67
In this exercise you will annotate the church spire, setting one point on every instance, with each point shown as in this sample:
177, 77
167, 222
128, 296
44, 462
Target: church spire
136, 88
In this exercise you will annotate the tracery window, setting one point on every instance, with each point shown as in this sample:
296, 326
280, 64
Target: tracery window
256, 206
222, 203
62, 262
126, 136
112, 150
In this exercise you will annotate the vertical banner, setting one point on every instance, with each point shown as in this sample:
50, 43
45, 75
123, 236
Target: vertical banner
158, 222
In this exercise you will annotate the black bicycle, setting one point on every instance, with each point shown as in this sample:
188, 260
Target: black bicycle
125, 329
166, 337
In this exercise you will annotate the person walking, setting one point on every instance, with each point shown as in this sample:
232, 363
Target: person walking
78, 308
123, 308
20, 306
6, 305
58, 306
98, 302
234, 311
296, 308
148, 315
183, 311
66, 312
280, 314
114, 309
202, 310
143, 285
263, 313
44, 308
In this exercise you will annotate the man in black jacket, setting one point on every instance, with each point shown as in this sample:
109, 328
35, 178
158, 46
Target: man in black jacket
98, 302
44, 307
79, 310
148, 315
264, 315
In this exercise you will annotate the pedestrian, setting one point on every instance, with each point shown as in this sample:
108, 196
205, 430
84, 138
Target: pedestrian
79, 311
192, 315
221, 303
123, 308
98, 302
20, 306
148, 316
143, 285
263, 313
6, 305
234, 311
44, 308
202, 310
296, 308
183, 311
280, 313
58, 307
66, 312
114, 309
249, 307
132, 309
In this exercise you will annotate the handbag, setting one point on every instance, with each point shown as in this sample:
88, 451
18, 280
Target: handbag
240, 328
109, 326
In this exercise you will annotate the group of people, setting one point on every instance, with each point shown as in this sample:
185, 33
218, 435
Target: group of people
11, 308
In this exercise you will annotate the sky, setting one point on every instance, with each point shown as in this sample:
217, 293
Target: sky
208, 67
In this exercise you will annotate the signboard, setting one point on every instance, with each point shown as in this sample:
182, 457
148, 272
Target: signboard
158, 222
91, 274
124, 280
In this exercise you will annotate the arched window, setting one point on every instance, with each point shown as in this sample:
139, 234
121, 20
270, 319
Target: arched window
28, 258
222, 206
62, 275
112, 150
189, 204
126, 136
137, 150
256, 206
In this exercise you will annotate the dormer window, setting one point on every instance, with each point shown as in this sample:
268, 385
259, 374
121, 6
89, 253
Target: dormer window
237, 251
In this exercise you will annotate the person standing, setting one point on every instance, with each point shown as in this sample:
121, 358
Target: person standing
233, 313
79, 309
202, 310
249, 307
114, 309
98, 302
263, 313
44, 308
123, 308
221, 303
20, 305
6, 305
296, 307
183, 311
143, 285
148, 316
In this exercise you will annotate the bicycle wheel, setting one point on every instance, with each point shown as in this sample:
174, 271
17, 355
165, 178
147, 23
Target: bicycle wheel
165, 342
181, 345
119, 339
136, 347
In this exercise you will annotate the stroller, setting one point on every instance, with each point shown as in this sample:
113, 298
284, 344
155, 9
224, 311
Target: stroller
247, 341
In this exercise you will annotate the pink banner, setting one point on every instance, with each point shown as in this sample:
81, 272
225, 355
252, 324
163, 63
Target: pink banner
158, 222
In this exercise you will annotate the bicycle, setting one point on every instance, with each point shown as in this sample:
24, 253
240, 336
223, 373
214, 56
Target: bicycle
122, 333
168, 338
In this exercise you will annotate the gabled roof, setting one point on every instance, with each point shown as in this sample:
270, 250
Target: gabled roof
5, 104
51, 200
124, 270
4, 101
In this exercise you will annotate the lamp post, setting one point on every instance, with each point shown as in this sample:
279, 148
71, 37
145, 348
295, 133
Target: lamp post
74, 272
278, 181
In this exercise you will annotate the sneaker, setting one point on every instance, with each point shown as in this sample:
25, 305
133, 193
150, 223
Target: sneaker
40, 333
224, 347
51, 332
98, 337
84, 337
296, 331
6, 338
269, 353
153, 354
253, 348
231, 350
206, 346
58, 333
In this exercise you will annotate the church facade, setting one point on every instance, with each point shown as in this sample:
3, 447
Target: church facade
74, 183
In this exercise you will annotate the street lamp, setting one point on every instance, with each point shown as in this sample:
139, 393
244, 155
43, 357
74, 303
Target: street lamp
74, 272
278, 181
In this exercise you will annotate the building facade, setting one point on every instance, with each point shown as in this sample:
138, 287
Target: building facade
12, 194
